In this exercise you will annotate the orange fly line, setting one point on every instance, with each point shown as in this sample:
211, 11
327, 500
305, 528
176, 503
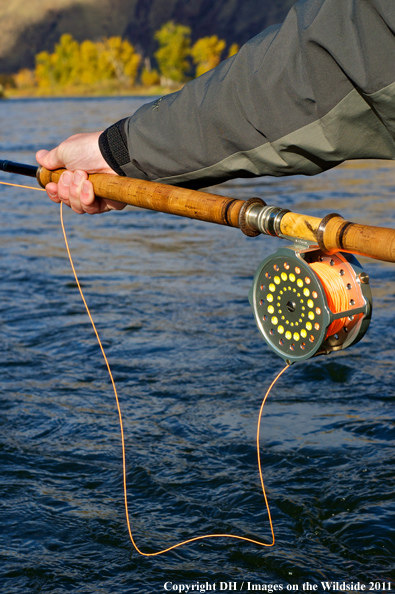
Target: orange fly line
196, 538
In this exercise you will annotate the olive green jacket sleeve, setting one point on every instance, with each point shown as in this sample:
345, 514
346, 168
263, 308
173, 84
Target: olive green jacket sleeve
299, 98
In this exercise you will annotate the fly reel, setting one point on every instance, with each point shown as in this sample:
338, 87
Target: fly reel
295, 295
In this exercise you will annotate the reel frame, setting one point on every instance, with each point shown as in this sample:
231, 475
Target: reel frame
291, 308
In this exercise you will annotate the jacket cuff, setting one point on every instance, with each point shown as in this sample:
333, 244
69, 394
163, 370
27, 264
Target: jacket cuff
114, 148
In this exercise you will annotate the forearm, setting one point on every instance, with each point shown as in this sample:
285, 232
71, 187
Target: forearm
297, 99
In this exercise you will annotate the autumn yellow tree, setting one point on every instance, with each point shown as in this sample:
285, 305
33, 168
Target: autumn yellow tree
88, 70
234, 48
118, 60
44, 70
206, 53
65, 60
59, 68
88, 63
174, 49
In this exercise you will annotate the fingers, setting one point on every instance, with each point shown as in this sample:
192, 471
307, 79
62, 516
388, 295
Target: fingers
76, 191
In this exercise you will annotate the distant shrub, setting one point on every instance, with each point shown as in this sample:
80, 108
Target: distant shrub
149, 78
206, 53
87, 63
25, 79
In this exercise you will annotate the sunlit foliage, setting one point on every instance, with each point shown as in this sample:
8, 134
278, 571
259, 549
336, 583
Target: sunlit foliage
206, 53
234, 48
149, 78
112, 64
87, 63
174, 49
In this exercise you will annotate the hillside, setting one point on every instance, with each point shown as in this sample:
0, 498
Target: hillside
30, 26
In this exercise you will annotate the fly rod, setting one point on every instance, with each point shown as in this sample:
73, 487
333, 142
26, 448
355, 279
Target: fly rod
254, 216
309, 299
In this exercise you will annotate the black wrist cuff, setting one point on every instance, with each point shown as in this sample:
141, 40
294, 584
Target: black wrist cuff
114, 148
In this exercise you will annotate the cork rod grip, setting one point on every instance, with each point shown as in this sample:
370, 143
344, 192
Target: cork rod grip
332, 235
373, 242
338, 235
161, 197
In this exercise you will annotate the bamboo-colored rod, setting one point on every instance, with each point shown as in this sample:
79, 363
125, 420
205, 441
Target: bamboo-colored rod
374, 242
340, 235
161, 197
335, 235
301, 226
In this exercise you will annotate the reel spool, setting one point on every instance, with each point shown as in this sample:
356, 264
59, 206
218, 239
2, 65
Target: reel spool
291, 302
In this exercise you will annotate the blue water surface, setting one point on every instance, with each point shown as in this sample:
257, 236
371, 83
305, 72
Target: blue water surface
169, 296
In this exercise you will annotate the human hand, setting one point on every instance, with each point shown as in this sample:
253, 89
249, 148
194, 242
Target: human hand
80, 155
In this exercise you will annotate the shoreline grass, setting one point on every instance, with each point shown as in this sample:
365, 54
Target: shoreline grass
104, 90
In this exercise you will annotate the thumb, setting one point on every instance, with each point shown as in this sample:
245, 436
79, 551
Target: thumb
49, 159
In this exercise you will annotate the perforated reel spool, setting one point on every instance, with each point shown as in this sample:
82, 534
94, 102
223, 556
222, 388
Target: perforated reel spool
291, 308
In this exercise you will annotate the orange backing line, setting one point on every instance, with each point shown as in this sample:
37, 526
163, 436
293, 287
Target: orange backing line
196, 538
18, 186
244, 538
336, 294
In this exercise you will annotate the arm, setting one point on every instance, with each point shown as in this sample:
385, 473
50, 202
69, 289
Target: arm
297, 99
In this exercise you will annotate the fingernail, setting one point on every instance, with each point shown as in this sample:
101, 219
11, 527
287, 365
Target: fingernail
52, 194
85, 188
66, 178
77, 178
41, 153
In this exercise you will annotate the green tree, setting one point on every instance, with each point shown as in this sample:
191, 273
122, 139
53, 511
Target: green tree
206, 53
174, 49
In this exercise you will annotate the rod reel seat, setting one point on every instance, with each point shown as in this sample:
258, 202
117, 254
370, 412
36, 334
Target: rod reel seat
291, 307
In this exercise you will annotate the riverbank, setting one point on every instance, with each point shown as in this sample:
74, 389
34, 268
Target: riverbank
102, 90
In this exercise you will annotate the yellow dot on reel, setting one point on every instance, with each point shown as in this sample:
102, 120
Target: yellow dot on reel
277, 280
299, 282
306, 292
310, 303
296, 336
303, 333
284, 276
309, 326
292, 277
269, 298
281, 329
311, 315
274, 320
288, 335
270, 309
272, 287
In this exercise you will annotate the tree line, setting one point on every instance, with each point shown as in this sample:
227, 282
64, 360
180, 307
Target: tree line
115, 61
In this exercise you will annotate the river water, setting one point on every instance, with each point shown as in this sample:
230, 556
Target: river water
169, 296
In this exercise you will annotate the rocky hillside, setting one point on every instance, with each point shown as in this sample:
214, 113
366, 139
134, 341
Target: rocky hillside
30, 26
